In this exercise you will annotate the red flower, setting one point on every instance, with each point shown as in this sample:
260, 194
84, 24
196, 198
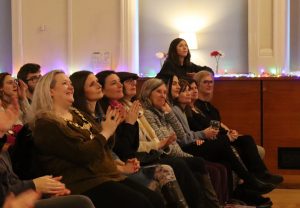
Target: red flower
215, 53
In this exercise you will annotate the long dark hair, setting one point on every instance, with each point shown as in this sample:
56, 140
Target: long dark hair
173, 56
80, 102
78, 80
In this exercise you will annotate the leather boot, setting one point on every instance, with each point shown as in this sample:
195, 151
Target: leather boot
210, 196
173, 195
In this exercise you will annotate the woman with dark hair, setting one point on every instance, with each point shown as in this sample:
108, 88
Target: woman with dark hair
61, 132
178, 61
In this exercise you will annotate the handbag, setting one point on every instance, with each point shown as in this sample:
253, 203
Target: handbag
146, 158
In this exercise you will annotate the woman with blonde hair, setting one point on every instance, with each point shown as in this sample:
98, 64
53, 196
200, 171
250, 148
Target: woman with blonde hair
60, 132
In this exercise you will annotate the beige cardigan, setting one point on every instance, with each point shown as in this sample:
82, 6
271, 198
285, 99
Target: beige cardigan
147, 136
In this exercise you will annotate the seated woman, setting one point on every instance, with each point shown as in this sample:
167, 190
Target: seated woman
87, 91
71, 145
9, 89
10, 183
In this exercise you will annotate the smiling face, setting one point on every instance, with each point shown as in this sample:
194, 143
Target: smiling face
92, 88
10, 87
113, 88
158, 96
185, 96
175, 88
182, 49
62, 91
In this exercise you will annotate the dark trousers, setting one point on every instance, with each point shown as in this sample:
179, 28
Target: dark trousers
219, 180
126, 193
219, 150
186, 170
72, 201
248, 152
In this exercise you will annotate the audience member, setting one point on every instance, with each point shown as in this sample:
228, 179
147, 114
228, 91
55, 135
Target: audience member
30, 74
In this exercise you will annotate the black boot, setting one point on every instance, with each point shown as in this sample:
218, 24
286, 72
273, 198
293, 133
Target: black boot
211, 199
268, 177
173, 195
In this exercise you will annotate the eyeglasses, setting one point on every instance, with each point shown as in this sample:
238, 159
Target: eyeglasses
34, 78
208, 82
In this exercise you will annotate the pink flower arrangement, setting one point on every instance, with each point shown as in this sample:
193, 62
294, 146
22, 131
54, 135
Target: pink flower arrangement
217, 55
161, 56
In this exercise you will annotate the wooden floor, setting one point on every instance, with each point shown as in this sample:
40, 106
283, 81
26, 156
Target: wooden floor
285, 198
288, 194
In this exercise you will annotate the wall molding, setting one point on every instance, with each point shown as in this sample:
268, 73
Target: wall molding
267, 35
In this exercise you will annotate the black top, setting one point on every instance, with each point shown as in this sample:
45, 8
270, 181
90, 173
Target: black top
170, 68
201, 121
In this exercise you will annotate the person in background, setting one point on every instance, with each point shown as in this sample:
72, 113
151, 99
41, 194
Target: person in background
30, 74
62, 132
178, 61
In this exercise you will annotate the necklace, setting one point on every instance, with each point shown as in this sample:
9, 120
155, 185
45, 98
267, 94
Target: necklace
85, 126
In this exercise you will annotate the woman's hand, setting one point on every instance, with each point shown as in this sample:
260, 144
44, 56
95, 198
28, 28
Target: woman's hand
133, 113
22, 90
199, 142
210, 133
26, 199
167, 141
131, 166
232, 135
110, 124
50, 185
166, 108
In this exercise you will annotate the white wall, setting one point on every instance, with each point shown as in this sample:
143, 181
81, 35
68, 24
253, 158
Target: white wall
220, 25
65, 33
5, 36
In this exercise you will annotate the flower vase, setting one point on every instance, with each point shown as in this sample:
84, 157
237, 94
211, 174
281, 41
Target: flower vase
217, 68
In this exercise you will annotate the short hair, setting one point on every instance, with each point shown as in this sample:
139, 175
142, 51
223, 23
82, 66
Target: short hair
200, 75
147, 88
26, 69
78, 80
42, 103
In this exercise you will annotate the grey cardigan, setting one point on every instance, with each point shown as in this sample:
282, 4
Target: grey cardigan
164, 125
189, 135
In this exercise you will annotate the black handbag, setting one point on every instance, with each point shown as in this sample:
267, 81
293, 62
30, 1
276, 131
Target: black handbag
146, 158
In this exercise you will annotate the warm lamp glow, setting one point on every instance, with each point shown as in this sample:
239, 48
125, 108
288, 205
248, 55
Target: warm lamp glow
191, 39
